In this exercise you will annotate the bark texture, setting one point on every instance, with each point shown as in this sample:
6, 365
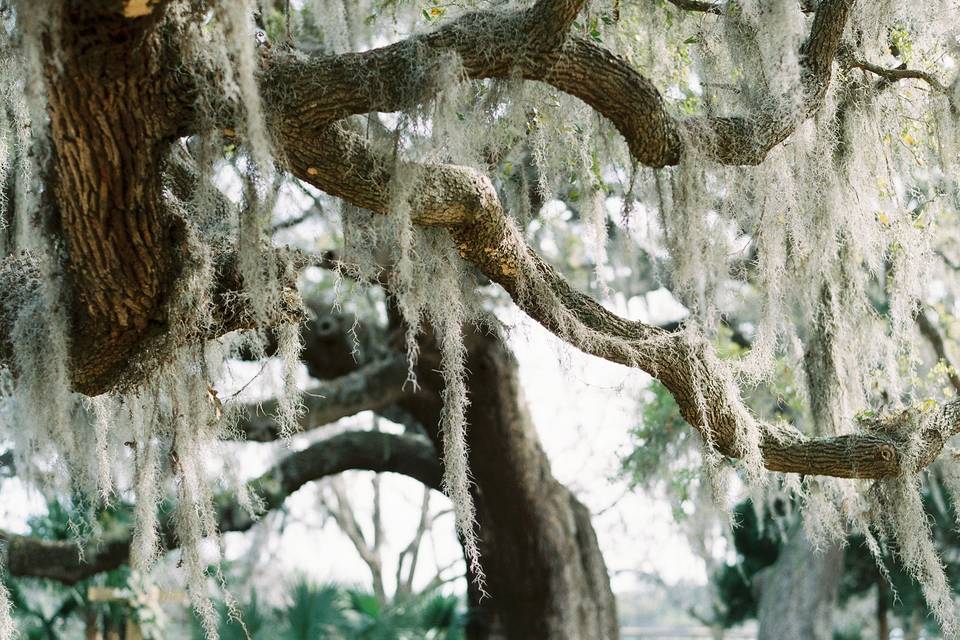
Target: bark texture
798, 592
545, 573
113, 114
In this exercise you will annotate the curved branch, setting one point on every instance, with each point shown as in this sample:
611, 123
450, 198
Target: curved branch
372, 387
465, 202
496, 45
900, 73
361, 450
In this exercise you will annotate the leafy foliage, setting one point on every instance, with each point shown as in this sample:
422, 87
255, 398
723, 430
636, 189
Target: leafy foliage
758, 547
47, 610
329, 611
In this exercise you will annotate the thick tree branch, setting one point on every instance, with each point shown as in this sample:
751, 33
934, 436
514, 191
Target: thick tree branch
495, 45
550, 20
113, 111
363, 450
466, 203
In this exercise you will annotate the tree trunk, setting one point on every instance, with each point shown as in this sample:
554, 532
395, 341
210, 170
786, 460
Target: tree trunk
546, 577
883, 623
91, 629
797, 592
916, 625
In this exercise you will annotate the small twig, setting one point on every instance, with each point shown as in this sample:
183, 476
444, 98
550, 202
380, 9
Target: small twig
295, 220
935, 338
899, 73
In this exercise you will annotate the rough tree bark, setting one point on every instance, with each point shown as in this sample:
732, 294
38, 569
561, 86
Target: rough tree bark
545, 573
798, 591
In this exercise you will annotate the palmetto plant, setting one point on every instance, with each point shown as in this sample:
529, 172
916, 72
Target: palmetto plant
333, 612
419, 616
47, 610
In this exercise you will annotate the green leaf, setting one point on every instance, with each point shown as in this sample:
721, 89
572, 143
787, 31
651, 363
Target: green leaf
365, 603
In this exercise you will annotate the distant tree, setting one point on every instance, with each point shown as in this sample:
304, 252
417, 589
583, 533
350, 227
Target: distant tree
893, 589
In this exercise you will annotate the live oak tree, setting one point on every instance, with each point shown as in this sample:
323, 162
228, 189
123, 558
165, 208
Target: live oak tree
787, 168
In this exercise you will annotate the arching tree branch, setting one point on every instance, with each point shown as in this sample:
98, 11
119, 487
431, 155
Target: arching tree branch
363, 450
371, 387
495, 45
466, 203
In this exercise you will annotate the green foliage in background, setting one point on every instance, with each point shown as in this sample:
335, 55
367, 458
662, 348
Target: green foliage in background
334, 612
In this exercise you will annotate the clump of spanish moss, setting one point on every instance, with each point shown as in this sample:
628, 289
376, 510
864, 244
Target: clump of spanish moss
906, 523
147, 480
7, 627
289, 404
432, 291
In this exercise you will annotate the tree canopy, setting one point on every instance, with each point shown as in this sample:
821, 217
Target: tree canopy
787, 170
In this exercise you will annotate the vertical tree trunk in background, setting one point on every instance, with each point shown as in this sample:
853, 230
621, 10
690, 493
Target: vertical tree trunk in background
883, 624
798, 591
545, 573
916, 625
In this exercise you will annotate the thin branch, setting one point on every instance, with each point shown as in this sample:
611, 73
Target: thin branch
372, 387
293, 221
899, 73
412, 550
935, 338
342, 511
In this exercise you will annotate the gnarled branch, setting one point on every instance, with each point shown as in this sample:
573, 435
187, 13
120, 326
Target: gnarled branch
496, 45
466, 203
372, 387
